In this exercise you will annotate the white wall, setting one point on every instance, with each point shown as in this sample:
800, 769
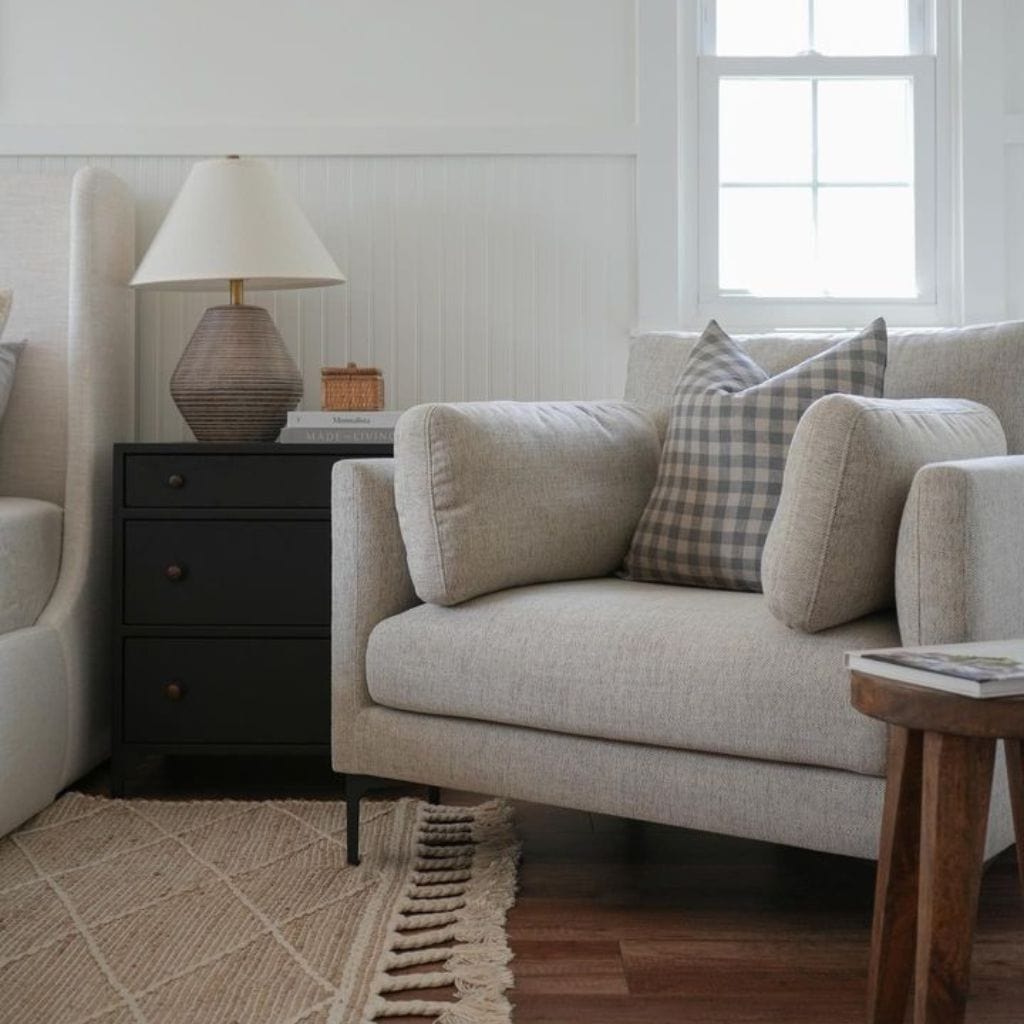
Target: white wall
134, 63
469, 163
499, 179
1014, 218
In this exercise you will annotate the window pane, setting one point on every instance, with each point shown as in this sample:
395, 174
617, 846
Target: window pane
766, 241
765, 130
767, 28
865, 130
859, 27
866, 242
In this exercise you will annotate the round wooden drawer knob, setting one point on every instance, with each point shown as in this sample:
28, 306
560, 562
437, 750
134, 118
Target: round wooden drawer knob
175, 572
176, 480
174, 691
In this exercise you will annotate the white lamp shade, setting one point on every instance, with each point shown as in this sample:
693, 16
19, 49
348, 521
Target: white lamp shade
233, 220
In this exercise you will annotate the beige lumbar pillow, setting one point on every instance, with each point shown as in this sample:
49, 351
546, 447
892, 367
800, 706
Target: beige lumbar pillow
500, 494
830, 553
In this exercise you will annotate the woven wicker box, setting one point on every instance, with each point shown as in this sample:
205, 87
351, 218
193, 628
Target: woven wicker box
351, 387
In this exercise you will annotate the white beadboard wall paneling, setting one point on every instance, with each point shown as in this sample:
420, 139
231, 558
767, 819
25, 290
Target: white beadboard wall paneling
469, 277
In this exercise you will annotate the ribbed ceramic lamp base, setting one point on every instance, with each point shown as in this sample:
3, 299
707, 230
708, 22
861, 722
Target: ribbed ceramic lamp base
236, 380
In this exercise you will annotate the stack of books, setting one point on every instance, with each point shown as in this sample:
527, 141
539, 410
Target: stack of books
340, 428
991, 669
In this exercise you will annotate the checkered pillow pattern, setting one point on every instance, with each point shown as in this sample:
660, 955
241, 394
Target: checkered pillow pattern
721, 466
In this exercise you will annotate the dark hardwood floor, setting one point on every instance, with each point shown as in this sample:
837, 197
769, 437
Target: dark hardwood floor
622, 922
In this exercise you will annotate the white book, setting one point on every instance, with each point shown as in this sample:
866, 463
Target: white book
360, 420
337, 435
993, 668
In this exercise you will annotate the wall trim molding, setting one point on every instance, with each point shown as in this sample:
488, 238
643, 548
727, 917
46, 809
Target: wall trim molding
319, 140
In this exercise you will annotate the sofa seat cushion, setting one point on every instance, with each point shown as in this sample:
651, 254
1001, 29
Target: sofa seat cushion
685, 668
30, 550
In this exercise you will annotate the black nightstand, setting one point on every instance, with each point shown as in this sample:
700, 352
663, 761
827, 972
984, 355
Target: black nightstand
222, 599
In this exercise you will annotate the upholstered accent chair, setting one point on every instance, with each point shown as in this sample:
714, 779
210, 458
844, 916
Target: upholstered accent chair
692, 707
67, 248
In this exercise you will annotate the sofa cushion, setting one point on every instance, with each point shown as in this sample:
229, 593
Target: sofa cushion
30, 552
721, 466
984, 363
497, 494
675, 667
830, 554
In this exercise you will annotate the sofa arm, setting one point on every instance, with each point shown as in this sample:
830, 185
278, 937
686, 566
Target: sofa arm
959, 564
370, 580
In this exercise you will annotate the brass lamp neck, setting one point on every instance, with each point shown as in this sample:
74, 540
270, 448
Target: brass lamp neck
237, 287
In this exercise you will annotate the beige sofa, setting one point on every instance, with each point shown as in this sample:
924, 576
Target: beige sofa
686, 706
67, 248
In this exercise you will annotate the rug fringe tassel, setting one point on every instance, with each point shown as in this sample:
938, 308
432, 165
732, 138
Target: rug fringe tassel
454, 916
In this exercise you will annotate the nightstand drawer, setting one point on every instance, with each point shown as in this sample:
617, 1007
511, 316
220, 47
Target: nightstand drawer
227, 691
228, 481
229, 573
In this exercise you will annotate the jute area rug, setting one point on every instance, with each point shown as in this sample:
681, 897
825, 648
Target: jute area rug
226, 912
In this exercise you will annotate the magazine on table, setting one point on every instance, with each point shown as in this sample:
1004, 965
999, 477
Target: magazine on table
989, 669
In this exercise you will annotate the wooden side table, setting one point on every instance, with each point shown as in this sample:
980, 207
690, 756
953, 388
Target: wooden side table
942, 750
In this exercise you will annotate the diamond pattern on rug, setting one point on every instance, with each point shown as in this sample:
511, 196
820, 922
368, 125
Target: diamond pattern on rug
259, 837
29, 916
109, 831
15, 867
146, 949
325, 936
136, 878
316, 877
154, 912
252, 983
60, 982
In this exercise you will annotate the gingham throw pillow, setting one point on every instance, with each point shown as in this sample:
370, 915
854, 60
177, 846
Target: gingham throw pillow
721, 466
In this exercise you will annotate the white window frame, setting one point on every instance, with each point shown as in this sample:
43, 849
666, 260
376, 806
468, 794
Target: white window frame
935, 220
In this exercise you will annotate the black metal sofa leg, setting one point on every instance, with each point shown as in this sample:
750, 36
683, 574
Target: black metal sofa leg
355, 788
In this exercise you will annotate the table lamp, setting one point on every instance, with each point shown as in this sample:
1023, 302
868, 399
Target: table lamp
233, 224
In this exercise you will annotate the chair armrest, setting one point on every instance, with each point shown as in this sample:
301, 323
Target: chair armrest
960, 556
369, 579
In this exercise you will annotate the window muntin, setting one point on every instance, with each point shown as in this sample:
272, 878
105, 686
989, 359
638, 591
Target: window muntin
837, 155
786, 28
817, 168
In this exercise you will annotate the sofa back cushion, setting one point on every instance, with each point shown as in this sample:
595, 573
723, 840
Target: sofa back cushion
831, 551
981, 363
499, 494
722, 464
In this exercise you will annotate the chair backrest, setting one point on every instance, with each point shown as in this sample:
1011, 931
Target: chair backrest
66, 249
983, 363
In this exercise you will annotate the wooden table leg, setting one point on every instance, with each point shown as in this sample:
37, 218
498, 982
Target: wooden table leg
1015, 770
957, 790
896, 884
